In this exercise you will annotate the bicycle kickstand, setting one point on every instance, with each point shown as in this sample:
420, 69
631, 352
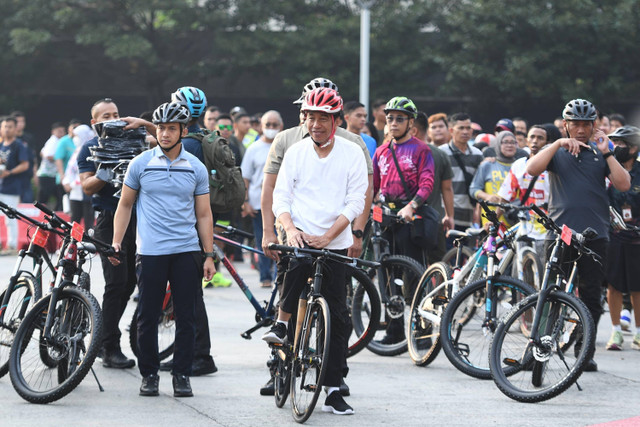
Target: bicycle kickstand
96, 377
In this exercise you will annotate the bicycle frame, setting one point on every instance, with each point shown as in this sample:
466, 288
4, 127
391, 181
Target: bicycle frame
264, 315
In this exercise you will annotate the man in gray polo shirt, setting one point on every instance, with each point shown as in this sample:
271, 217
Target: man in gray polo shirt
577, 193
170, 189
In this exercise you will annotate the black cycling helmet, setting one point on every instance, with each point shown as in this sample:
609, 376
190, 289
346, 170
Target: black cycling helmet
402, 104
192, 98
579, 109
314, 84
628, 134
171, 112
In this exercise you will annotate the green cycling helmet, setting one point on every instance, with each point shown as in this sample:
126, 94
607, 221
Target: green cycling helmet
402, 104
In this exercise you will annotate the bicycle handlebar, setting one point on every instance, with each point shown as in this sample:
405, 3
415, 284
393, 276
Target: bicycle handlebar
323, 252
508, 206
578, 239
233, 230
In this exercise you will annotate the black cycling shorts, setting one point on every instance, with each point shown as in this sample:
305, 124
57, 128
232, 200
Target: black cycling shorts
623, 269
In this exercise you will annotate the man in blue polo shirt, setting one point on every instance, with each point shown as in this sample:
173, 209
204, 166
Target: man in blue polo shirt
170, 188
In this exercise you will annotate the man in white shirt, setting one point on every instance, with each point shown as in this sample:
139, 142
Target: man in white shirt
319, 191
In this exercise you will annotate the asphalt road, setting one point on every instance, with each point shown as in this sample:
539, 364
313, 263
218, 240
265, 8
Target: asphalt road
385, 390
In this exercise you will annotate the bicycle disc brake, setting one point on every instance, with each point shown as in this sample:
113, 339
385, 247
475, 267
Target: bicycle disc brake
542, 352
395, 307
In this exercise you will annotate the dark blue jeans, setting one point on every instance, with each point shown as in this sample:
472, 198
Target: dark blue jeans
183, 271
265, 265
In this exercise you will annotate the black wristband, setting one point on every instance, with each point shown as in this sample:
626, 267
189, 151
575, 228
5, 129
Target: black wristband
607, 154
210, 255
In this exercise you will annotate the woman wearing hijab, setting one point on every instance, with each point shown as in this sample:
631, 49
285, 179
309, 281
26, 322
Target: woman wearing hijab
490, 175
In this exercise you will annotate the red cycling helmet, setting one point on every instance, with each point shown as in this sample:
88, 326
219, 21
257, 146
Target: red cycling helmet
322, 99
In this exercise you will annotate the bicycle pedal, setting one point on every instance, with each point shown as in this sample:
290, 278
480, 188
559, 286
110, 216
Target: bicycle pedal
439, 300
511, 362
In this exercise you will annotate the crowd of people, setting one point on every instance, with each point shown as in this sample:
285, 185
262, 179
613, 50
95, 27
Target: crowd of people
313, 185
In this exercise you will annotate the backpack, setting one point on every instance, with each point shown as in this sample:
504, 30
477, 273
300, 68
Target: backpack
226, 185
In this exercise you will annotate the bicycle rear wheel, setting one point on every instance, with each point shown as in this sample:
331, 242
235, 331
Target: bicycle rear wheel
74, 343
20, 301
281, 375
166, 332
363, 301
534, 372
311, 356
400, 276
423, 330
465, 335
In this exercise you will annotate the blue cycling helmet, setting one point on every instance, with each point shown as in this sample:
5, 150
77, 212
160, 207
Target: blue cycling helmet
192, 98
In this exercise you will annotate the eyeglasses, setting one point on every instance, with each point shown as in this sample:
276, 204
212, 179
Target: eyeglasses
227, 127
397, 119
272, 125
509, 142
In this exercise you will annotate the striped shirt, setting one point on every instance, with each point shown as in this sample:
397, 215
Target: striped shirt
463, 210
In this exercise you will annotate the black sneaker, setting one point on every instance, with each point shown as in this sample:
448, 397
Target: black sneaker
149, 385
268, 389
203, 366
115, 359
591, 366
276, 334
181, 386
336, 404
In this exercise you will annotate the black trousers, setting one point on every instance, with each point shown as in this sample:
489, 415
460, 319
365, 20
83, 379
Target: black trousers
120, 280
182, 270
334, 291
591, 274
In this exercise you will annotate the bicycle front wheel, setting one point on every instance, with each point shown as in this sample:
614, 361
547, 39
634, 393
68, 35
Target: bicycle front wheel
20, 301
73, 343
311, 356
465, 333
363, 301
536, 371
397, 277
423, 328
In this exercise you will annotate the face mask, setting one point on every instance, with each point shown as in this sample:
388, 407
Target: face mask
270, 133
622, 154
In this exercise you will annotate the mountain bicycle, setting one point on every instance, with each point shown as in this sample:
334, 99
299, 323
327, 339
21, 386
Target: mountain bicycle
360, 291
58, 340
306, 358
25, 285
396, 279
536, 366
471, 315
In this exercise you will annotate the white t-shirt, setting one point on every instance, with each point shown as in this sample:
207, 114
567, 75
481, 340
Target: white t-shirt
315, 191
515, 186
48, 167
252, 165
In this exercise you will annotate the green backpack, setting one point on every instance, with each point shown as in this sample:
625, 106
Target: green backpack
226, 186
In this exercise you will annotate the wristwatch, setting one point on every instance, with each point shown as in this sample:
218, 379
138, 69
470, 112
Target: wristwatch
414, 205
210, 255
357, 233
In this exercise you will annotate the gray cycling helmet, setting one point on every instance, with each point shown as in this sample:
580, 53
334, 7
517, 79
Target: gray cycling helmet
314, 84
628, 134
171, 112
579, 109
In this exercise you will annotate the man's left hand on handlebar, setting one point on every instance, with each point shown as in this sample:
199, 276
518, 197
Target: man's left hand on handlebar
406, 213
